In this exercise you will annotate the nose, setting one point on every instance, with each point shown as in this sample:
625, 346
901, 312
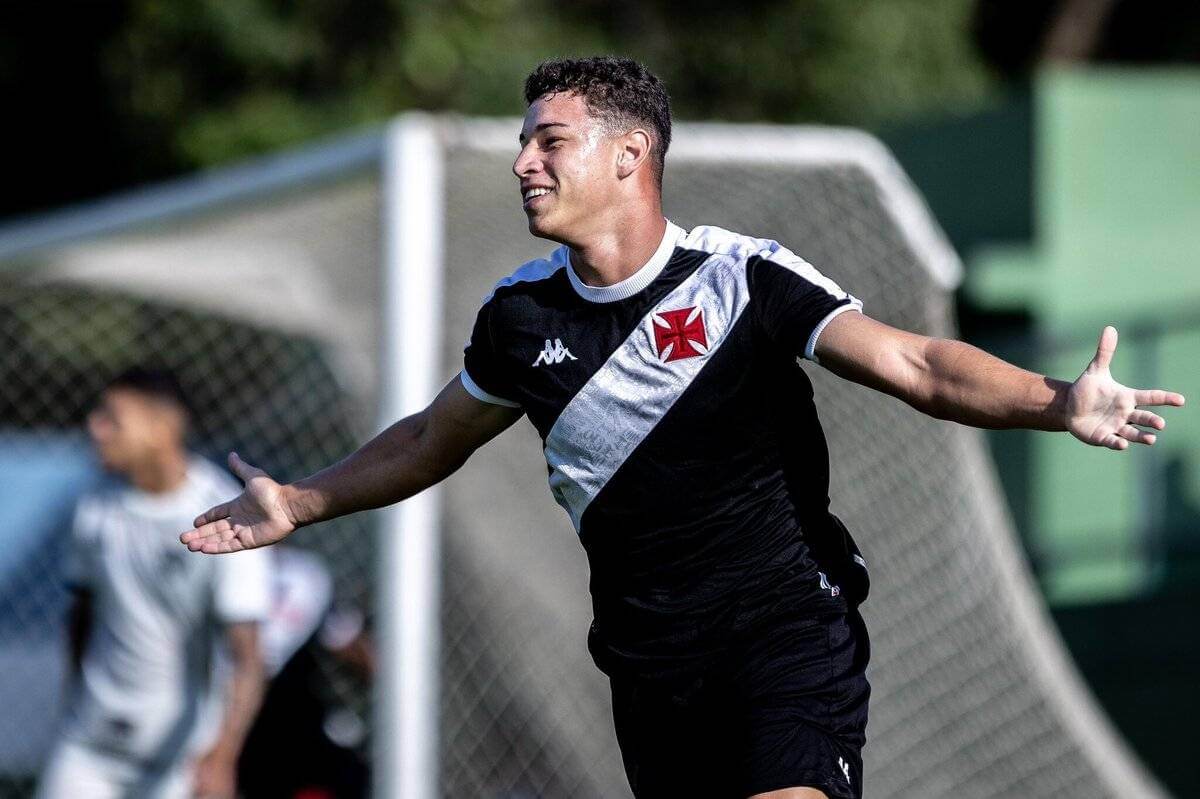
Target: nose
527, 162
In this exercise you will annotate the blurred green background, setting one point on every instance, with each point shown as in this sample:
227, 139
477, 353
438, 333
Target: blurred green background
1058, 143
160, 87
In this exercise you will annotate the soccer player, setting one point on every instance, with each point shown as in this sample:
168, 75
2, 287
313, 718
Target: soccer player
660, 367
165, 647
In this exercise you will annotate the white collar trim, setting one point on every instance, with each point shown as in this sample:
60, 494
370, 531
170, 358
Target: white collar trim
631, 285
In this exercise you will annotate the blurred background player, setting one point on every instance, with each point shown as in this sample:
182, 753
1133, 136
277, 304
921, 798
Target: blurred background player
166, 648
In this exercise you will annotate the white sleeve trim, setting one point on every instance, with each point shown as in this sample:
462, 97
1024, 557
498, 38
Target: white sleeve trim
478, 393
810, 348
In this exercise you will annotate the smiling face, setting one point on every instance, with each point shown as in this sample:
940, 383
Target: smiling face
568, 168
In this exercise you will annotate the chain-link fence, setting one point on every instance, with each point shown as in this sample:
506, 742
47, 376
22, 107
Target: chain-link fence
268, 309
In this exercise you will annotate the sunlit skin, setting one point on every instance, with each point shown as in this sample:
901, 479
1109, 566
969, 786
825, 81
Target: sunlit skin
603, 200
792, 793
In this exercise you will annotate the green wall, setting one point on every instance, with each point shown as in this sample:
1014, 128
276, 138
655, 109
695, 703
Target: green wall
1115, 239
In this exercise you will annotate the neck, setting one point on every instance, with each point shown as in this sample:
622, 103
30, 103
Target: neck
611, 255
160, 474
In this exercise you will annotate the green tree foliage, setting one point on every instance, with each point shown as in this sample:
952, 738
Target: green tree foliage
225, 78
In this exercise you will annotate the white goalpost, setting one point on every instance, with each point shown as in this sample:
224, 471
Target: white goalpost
410, 580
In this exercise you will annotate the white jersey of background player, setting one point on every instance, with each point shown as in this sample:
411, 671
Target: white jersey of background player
167, 645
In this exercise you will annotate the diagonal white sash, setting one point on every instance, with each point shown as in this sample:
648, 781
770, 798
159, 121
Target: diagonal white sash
619, 406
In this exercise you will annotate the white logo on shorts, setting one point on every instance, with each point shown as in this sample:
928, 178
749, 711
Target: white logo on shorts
845, 769
832, 589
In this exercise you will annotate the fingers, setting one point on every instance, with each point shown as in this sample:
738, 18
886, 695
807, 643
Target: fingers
222, 547
212, 514
213, 539
1128, 433
1113, 441
204, 532
243, 470
1158, 397
1147, 419
1105, 348
1131, 433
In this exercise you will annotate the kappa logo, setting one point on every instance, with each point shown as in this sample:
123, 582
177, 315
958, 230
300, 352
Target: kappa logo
554, 353
680, 334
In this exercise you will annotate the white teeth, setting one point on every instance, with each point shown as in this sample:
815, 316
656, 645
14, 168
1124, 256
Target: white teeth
529, 195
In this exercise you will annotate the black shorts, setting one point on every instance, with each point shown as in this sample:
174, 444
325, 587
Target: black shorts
787, 708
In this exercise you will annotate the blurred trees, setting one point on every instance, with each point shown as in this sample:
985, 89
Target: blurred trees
145, 88
236, 76
107, 94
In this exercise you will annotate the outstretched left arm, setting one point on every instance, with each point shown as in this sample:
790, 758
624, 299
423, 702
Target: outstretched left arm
952, 380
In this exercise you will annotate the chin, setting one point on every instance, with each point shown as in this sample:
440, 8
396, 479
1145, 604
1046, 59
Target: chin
539, 228
545, 228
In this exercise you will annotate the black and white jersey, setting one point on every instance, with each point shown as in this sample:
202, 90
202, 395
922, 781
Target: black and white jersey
679, 431
151, 682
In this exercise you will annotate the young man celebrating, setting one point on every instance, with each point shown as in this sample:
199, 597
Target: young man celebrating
660, 367
151, 715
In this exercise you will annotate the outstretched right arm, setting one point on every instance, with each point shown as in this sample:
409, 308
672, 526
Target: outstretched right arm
405, 459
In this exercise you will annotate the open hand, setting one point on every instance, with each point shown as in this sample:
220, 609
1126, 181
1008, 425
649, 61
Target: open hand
255, 518
1104, 413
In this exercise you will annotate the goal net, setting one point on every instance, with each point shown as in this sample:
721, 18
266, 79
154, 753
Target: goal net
269, 289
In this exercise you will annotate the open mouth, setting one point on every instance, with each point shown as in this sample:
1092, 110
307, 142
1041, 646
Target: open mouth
531, 196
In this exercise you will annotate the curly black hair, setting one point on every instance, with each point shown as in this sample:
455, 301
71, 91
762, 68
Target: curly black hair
619, 91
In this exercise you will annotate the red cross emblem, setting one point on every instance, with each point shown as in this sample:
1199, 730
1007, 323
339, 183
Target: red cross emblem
680, 334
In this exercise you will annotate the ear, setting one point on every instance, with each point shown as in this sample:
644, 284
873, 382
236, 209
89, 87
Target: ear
634, 150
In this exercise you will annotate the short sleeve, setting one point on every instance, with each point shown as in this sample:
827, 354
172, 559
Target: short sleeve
79, 568
242, 589
794, 302
483, 376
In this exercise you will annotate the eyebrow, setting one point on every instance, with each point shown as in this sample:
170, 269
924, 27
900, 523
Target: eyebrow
540, 128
